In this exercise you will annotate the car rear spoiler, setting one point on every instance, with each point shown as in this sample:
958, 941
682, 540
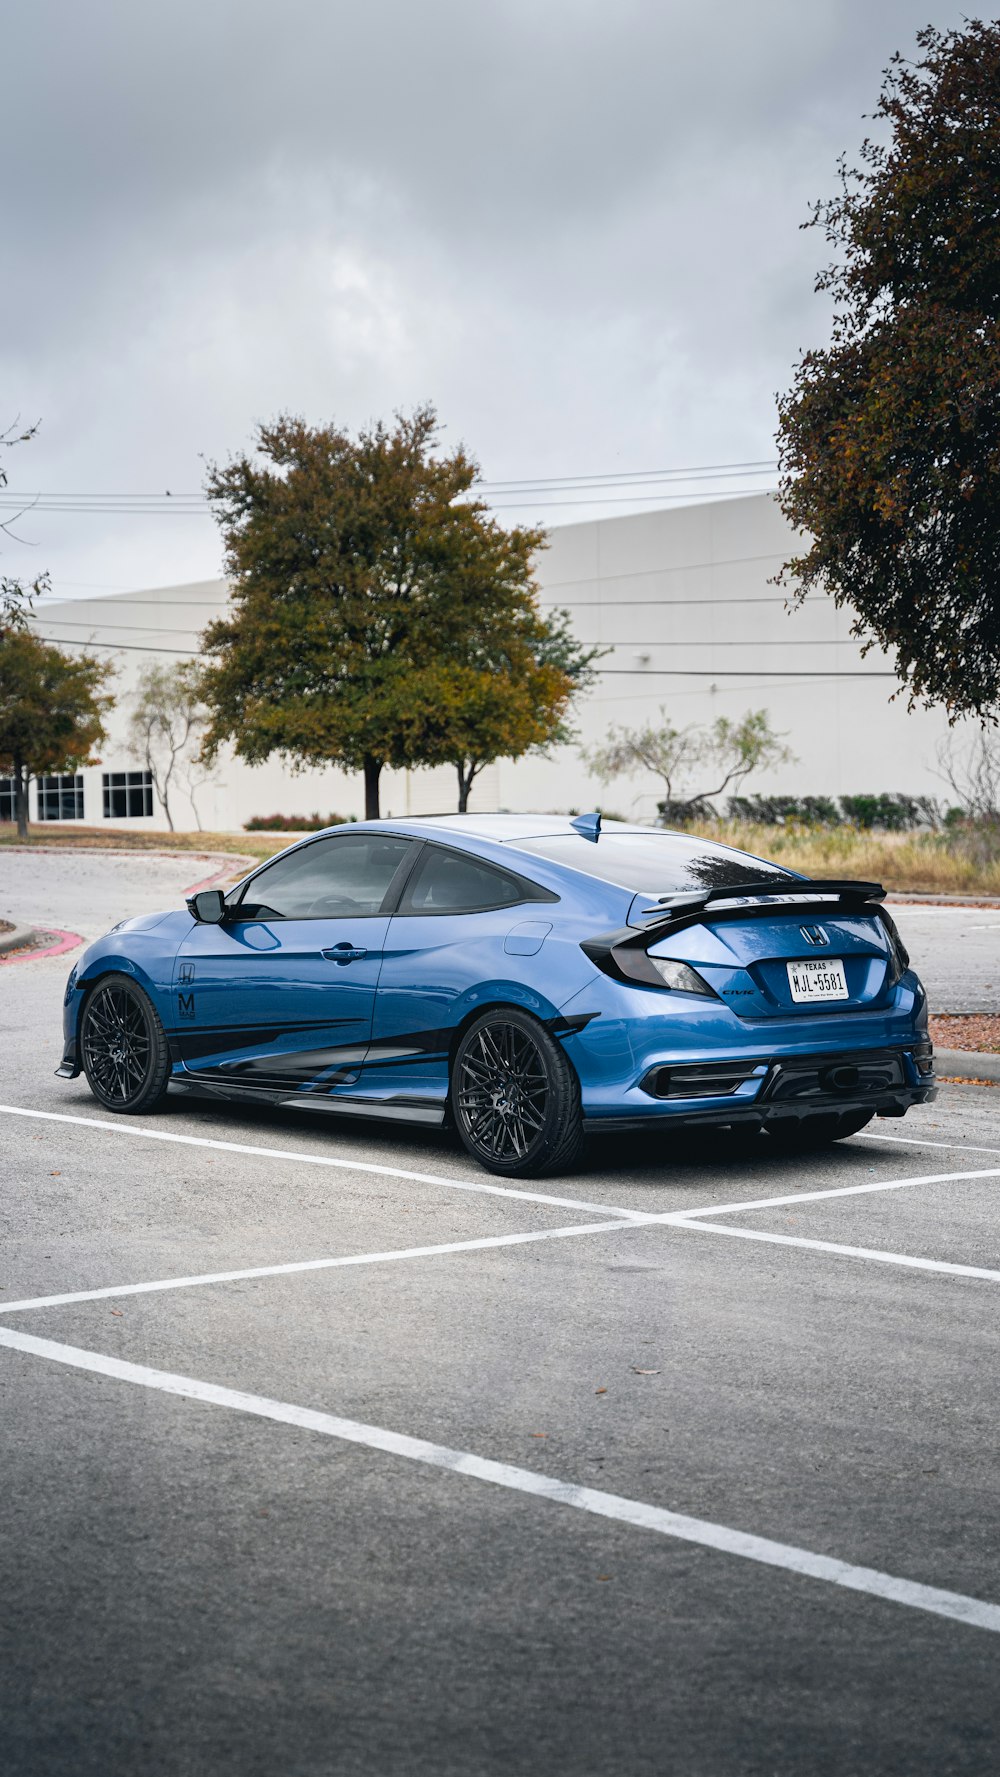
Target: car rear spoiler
755, 897
673, 913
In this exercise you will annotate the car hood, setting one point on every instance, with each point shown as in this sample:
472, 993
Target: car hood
151, 922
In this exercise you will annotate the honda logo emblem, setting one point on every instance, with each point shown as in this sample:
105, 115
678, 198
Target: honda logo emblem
814, 934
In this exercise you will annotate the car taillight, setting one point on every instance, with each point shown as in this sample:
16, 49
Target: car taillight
623, 956
899, 956
662, 971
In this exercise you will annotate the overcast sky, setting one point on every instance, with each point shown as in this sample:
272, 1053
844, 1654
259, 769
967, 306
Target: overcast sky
572, 224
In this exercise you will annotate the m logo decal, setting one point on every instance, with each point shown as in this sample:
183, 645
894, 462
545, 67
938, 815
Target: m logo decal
185, 1005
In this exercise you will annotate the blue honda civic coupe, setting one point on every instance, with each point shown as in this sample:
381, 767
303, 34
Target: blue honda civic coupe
528, 979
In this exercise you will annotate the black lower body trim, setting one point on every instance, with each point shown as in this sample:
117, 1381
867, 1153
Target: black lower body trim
735, 1115
69, 1068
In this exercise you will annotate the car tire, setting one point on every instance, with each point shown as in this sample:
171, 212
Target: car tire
123, 1047
817, 1131
514, 1097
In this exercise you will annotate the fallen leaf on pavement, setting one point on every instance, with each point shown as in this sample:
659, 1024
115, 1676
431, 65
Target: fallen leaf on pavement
636, 1372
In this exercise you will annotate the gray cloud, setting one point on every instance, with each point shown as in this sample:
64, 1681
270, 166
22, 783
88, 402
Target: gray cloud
574, 225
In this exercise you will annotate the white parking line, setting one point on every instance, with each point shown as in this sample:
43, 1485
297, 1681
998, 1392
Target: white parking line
850, 1252
681, 1216
117, 1291
236, 1147
913, 1141
684, 1218
975, 1612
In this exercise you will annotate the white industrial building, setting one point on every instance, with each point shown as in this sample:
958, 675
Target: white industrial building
683, 600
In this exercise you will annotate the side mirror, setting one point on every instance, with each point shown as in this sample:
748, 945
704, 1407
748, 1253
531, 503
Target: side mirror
208, 907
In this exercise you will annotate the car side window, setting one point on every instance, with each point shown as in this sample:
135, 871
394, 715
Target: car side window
445, 881
347, 875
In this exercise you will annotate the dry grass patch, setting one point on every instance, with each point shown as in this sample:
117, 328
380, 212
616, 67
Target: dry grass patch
918, 863
80, 838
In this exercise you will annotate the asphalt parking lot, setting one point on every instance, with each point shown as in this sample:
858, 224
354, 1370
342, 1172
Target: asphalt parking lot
323, 1452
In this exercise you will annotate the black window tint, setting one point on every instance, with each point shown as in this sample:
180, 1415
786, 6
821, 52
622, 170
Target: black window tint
655, 863
127, 794
347, 875
452, 882
61, 798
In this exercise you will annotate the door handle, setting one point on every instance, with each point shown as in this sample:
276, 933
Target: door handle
345, 953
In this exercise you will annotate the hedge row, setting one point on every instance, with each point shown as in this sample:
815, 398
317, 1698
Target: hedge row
293, 823
888, 813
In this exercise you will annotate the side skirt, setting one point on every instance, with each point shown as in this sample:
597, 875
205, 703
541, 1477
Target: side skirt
398, 1110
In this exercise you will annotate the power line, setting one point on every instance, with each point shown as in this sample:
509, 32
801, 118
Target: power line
116, 603
604, 671
532, 483
722, 493
171, 510
169, 605
540, 501
751, 466
636, 642
152, 629
731, 672
114, 647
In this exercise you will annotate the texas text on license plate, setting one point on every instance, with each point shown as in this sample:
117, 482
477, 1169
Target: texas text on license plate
816, 980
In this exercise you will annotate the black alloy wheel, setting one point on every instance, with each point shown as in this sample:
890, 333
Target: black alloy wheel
515, 1097
816, 1131
123, 1047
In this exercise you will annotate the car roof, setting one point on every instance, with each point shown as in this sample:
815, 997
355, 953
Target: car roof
502, 828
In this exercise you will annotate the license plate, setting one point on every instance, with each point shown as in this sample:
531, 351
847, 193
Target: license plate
815, 980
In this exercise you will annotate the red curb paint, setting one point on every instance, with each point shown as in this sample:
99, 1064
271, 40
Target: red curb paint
67, 941
209, 881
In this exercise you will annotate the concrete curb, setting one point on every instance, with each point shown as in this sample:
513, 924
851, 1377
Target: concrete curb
967, 1064
14, 939
913, 897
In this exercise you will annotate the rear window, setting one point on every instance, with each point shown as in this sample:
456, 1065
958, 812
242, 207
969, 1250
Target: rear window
454, 882
654, 863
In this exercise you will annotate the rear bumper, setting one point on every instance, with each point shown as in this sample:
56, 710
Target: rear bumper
885, 1082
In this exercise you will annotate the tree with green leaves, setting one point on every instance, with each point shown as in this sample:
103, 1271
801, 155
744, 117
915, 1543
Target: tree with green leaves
715, 757
52, 709
367, 581
890, 435
166, 722
515, 696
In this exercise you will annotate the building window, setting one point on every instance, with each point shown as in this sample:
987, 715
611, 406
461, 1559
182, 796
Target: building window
61, 798
8, 803
127, 794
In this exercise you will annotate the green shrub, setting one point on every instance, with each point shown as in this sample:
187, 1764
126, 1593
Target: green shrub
885, 813
890, 813
293, 823
774, 811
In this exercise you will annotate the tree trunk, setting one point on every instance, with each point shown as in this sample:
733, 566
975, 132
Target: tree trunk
465, 777
163, 791
373, 771
21, 798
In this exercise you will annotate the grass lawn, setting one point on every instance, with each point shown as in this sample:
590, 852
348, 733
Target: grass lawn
247, 845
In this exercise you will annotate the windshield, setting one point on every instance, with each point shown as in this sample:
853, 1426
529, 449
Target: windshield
654, 863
